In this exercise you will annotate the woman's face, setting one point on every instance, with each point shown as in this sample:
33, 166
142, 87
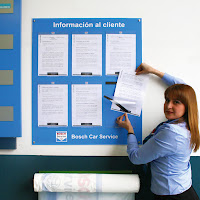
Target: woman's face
173, 109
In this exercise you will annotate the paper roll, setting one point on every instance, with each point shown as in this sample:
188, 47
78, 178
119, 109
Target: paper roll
70, 182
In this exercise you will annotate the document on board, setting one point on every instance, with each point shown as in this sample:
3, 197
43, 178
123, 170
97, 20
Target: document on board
87, 54
120, 53
130, 92
53, 54
86, 105
53, 105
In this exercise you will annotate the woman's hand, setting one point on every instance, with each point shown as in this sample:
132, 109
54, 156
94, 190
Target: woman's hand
125, 124
147, 69
144, 69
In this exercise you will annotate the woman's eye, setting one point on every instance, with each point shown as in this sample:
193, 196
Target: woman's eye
167, 100
177, 102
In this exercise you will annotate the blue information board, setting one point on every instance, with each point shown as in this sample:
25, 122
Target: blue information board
10, 70
109, 133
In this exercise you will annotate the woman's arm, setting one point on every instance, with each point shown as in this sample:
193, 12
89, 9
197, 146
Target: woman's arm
147, 69
162, 144
166, 78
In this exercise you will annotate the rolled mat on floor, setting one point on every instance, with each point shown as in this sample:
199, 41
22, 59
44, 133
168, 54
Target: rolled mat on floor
71, 182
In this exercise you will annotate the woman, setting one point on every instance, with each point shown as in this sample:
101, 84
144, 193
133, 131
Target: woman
169, 146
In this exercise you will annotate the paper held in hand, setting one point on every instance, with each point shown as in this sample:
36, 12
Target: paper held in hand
130, 92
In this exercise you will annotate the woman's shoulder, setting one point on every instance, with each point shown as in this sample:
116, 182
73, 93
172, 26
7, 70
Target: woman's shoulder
176, 136
177, 129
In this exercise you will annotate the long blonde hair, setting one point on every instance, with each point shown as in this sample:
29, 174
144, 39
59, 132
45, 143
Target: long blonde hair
187, 96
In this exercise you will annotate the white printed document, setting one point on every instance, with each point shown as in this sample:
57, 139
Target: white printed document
53, 105
130, 92
87, 105
120, 53
53, 55
87, 54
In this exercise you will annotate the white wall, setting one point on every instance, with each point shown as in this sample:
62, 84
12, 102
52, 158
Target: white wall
171, 41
